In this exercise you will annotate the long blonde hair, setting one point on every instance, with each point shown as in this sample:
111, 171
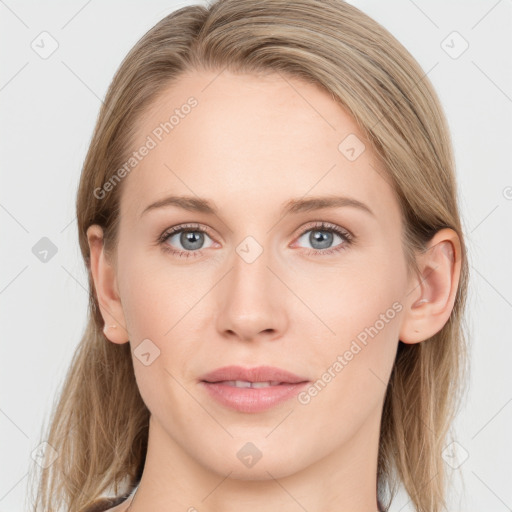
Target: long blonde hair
99, 425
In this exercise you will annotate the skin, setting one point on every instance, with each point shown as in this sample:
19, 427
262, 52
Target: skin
251, 144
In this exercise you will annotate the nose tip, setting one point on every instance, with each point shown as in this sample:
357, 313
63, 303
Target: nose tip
250, 307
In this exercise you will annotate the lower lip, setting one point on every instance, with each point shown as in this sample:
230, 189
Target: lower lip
252, 399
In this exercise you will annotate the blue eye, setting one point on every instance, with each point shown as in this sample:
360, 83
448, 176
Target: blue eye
191, 237
322, 237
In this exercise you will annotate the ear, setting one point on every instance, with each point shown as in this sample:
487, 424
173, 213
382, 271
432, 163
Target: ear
105, 284
432, 296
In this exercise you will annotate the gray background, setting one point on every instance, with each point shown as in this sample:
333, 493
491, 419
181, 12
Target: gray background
49, 106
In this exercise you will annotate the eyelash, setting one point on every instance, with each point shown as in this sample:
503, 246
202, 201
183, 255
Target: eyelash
347, 237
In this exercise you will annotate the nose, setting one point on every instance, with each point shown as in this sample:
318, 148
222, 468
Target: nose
251, 300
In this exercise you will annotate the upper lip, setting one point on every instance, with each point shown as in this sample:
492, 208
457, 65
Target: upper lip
257, 374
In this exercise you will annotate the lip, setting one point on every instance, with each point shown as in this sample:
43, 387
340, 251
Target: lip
252, 399
256, 374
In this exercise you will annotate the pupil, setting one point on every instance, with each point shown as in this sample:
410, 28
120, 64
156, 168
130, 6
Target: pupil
324, 238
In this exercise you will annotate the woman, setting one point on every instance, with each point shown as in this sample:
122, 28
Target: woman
268, 214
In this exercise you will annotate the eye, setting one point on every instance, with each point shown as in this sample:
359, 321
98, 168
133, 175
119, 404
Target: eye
321, 237
190, 237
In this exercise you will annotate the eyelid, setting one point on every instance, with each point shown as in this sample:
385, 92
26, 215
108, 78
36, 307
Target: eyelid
324, 225
185, 227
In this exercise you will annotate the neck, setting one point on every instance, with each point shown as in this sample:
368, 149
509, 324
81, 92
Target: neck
343, 480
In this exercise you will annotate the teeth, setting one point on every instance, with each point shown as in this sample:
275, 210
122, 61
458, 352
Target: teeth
240, 383
246, 384
263, 384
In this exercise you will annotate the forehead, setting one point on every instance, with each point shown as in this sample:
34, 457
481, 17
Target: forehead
252, 142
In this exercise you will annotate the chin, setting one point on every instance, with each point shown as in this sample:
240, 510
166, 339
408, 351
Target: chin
257, 460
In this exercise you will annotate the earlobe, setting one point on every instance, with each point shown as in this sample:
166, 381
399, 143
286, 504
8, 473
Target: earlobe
431, 297
105, 284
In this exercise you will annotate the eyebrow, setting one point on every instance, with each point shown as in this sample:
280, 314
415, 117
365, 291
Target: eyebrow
196, 204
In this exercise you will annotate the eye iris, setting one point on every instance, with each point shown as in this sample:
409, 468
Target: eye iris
195, 238
323, 237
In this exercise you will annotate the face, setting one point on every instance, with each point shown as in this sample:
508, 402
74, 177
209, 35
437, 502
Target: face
317, 292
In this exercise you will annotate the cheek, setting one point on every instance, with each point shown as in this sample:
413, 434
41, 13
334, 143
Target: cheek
352, 370
363, 307
158, 304
156, 317
153, 293
352, 300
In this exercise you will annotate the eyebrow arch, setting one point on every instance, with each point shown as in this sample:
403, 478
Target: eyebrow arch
318, 203
196, 204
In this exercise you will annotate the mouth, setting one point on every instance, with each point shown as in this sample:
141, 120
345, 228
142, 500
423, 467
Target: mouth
243, 377
252, 390
248, 384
